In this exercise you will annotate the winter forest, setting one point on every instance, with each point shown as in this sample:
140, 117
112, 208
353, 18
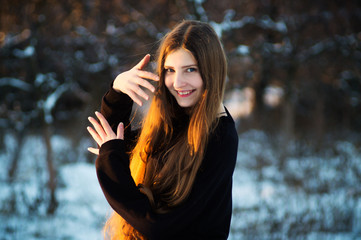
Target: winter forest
293, 88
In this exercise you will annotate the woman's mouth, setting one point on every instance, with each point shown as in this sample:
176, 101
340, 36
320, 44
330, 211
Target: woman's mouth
185, 93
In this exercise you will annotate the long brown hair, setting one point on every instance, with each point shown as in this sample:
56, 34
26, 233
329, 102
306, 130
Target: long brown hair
172, 142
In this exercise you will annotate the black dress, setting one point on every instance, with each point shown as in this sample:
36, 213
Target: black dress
206, 213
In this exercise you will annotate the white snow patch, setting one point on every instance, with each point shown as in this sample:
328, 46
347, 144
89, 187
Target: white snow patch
16, 83
27, 52
243, 50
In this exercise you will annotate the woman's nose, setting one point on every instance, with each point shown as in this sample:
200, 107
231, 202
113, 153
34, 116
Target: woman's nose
178, 81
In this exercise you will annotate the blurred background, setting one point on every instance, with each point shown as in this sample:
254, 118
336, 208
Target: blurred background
293, 87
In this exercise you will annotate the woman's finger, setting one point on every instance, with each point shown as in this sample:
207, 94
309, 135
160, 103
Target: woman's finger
95, 136
140, 92
143, 62
98, 128
93, 150
144, 83
147, 75
134, 97
120, 131
108, 130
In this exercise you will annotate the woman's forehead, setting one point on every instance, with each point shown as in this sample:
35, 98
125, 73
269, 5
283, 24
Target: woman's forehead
180, 56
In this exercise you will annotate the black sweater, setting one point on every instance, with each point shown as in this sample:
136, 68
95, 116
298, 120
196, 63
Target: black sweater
206, 213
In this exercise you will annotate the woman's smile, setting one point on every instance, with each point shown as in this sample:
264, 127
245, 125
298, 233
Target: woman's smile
185, 93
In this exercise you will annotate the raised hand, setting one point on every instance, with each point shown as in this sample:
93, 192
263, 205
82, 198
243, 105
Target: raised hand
130, 82
102, 132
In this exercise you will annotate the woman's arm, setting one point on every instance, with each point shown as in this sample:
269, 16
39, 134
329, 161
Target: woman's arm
205, 213
118, 101
116, 107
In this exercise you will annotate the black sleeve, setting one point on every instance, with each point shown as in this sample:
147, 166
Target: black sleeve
116, 107
206, 212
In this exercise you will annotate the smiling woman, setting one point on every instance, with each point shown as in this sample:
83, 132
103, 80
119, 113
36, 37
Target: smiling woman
172, 179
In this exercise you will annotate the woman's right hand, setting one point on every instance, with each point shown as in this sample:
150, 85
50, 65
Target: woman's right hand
129, 82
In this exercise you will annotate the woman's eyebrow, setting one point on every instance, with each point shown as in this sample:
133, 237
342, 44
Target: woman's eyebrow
186, 66
192, 65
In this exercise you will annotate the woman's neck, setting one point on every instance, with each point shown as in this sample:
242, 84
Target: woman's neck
222, 111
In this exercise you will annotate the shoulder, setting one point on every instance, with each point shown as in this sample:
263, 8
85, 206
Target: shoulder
222, 147
225, 132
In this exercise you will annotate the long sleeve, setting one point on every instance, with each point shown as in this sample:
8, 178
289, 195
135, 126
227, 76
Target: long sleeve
207, 211
116, 107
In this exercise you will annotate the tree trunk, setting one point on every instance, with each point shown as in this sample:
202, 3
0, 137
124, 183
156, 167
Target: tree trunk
15, 158
288, 115
319, 124
51, 171
259, 86
288, 126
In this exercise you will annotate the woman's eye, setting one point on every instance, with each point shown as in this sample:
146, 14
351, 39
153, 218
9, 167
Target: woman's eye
168, 70
191, 69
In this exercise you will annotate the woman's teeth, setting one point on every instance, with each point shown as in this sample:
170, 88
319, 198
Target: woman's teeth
184, 93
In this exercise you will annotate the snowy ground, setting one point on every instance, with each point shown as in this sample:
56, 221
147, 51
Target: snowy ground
82, 208
312, 196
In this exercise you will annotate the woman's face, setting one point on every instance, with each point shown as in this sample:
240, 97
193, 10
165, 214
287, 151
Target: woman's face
182, 77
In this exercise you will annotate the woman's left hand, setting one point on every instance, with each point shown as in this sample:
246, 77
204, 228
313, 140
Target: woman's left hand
102, 132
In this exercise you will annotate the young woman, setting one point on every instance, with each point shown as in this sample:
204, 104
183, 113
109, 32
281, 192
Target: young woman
172, 179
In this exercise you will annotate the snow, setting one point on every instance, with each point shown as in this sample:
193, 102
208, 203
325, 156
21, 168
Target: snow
82, 208
267, 23
83, 200
243, 50
324, 205
200, 10
313, 196
49, 79
27, 52
15, 83
227, 24
264, 22
51, 101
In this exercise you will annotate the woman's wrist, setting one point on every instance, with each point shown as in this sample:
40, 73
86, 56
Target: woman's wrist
115, 87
